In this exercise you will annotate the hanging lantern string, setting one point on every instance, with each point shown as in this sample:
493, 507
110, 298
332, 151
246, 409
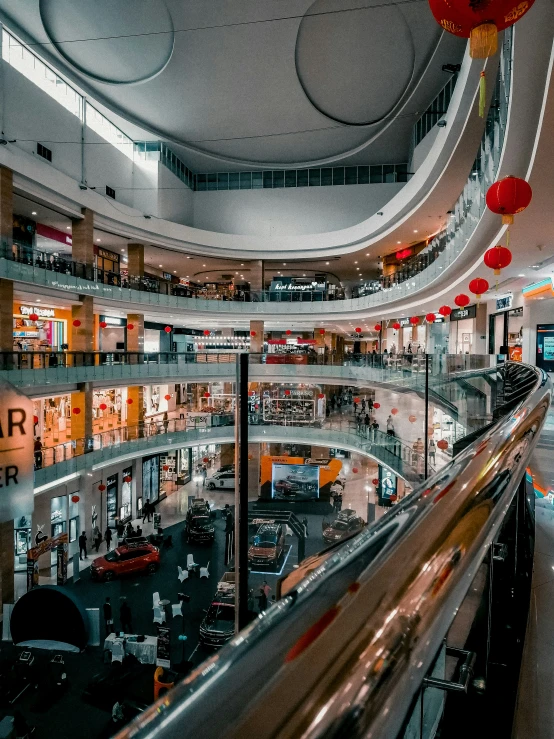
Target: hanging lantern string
482, 93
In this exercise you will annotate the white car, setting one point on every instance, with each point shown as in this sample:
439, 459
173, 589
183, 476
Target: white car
221, 481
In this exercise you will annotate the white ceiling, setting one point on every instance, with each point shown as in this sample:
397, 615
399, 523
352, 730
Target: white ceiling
252, 82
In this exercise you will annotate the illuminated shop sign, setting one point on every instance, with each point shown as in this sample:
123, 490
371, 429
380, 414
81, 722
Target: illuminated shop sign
460, 313
298, 286
27, 310
505, 302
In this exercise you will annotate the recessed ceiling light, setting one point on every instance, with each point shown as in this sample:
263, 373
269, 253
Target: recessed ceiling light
174, 271
303, 274
122, 251
236, 273
203, 265
242, 264
68, 228
356, 262
415, 230
98, 240
326, 262
161, 265
34, 213
521, 275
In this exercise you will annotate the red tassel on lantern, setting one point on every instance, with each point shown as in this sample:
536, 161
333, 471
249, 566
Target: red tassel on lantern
497, 257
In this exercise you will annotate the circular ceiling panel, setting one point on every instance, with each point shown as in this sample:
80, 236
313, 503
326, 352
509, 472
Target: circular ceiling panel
355, 64
112, 41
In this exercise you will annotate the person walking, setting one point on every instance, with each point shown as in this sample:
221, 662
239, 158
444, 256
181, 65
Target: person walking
126, 617
390, 426
97, 538
83, 546
108, 538
356, 408
262, 600
367, 422
432, 450
108, 617
375, 429
266, 589
363, 405
370, 405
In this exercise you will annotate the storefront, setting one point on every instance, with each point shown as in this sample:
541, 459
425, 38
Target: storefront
150, 481
437, 336
462, 330
22, 541
52, 419
176, 466
297, 288
210, 452
446, 428
407, 339
106, 266
48, 332
506, 329
126, 491
111, 500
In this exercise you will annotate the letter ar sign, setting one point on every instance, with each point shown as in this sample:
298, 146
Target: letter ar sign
17, 475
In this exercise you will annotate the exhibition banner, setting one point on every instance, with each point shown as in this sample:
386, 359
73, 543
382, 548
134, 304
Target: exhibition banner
163, 648
16, 453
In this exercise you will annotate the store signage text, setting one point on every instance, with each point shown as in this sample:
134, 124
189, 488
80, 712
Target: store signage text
505, 302
460, 313
303, 287
112, 321
26, 310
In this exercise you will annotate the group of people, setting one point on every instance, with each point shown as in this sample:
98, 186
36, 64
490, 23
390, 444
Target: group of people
125, 616
124, 531
263, 598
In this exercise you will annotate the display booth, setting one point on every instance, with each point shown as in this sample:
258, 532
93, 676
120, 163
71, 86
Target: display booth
295, 481
47, 333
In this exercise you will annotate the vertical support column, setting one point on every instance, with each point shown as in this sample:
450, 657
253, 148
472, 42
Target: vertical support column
6, 315
227, 455
82, 335
135, 335
135, 411
6, 206
241, 495
81, 417
256, 341
480, 338
135, 264
7, 560
82, 236
426, 421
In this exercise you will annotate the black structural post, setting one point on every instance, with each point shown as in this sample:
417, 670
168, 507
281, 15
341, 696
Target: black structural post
241, 497
426, 437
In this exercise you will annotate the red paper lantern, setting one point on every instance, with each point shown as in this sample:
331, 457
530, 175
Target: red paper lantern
355, 470
480, 22
375, 481
207, 394
412, 419
414, 320
377, 327
462, 300
396, 326
478, 286
288, 332
129, 401
430, 318
103, 406
358, 330
356, 400
321, 396
497, 258
101, 488
35, 420
206, 332
127, 479
394, 411
76, 323
205, 460
442, 444
102, 324
130, 326
76, 411
167, 397
322, 332
33, 316
377, 405
251, 393
510, 195
168, 329
165, 468
252, 333
75, 499
287, 392
445, 310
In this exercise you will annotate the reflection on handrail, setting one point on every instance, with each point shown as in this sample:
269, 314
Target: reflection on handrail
346, 650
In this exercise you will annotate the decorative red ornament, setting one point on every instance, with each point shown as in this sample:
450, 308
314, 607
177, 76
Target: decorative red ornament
167, 397
168, 329
251, 393
76, 323
377, 327
480, 22
478, 286
414, 320
445, 310
103, 406
252, 333
497, 258
33, 316
206, 332
35, 420
207, 394
75, 499
101, 488
102, 324
442, 444
287, 392
356, 400
430, 318
130, 326
321, 396
462, 300
396, 326
288, 332
358, 330
127, 479
129, 401
76, 411
509, 196
165, 468
322, 332
394, 411
375, 481
205, 460
412, 419
377, 405
355, 470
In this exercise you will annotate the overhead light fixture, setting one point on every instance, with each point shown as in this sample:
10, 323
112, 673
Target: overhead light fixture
68, 228
161, 265
326, 262
415, 230
98, 240
34, 213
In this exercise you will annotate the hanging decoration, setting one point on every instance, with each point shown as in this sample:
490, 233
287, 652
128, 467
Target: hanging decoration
396, 326
252, 333
75, 411
101, 487
430, 318
167, 397
442, 444
130, 326
168, 329
445, 310
207, 394
355, 470
412, 419
35, 420
250, 456
377, 405
462, 300
322, 332
251, 393
356, 400
394, 411
288, 332
206, 332
129, 401
358, 330
127, 479
497, 258
478, 286
165, 467
377, 327
321, 396
414, 320
103, 324
103, 406
33, 316
76, 323
75, 499
509, 196
287, 392
205, 460
375, 481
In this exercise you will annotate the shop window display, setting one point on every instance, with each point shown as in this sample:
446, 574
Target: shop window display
111, 500
151, 479
54, 419
47, 333
125, 508
22, 541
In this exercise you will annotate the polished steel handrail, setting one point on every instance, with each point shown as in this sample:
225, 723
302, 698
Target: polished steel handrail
344, 652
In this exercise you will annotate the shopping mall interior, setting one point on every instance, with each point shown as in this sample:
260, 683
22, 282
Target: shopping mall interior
276, 344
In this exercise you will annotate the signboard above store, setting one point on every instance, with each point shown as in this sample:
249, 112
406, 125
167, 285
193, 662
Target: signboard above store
27, 310
505, 302
460, 313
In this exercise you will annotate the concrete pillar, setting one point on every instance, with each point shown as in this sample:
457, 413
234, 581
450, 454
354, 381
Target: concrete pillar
227, 455
6, 206
82, 335
82, 237
6, 563
135, 410
135, 336
480, 337
81, 416
135, 264
319, 339
256, 341
6, 314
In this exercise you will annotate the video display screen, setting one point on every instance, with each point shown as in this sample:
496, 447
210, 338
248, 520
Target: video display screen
387, 487
295, 481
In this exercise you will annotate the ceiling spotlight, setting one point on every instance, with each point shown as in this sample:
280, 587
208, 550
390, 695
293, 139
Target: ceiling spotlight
284, 264
203, 265
356, 262
98, 240
326, 262
122, 251
398, 242
68, 228
415, 230
34, 213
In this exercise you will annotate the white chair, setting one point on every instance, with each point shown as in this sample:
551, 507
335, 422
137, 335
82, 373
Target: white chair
204, 571
118, 653
177, 609
183, 574
191, 564
155, 599
159, 615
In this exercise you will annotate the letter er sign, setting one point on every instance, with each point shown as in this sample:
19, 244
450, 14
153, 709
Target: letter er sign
16, 453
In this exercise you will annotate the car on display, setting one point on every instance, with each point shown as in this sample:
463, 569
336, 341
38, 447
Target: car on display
346, 523
199, 527
286, 487
222, 480
129, 559
267, 545
218, 625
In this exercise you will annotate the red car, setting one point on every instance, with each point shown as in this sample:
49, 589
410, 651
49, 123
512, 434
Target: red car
127, 559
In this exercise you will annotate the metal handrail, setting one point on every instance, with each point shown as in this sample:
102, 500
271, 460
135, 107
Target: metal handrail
346, 650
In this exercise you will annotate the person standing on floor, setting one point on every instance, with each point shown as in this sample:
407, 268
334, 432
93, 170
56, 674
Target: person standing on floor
108, 538
126, 617
108, 617
432, 450
97, 538
83, 546
262, 600
367, 423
